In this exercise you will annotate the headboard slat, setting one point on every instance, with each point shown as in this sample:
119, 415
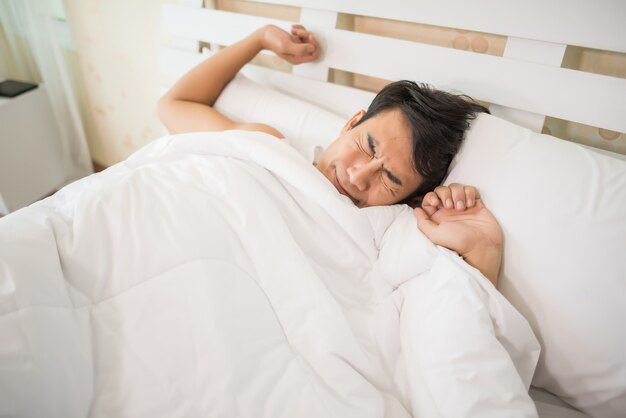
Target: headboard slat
595, 24
527, 86
316, 20
211, 25
537, 88
545, 53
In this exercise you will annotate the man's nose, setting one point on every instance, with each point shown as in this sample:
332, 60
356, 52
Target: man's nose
360, 174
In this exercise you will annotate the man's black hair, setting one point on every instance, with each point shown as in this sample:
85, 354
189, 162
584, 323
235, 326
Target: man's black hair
438, 120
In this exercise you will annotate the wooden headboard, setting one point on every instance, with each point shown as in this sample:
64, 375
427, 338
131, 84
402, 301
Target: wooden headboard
524, 85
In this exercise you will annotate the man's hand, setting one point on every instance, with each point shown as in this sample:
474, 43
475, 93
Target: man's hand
296, 47
468, 228
455, 196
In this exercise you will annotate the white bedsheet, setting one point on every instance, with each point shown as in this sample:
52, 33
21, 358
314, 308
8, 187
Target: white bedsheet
219, 274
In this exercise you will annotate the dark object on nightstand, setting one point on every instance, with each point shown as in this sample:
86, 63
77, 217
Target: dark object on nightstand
12, 88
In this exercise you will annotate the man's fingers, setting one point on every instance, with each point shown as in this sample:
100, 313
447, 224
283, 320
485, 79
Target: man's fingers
426, 225
298, 50
431, 199
458, 195
445, 196
301, 34
295, 60
471, 195
421, 215
297, 53
303, 46
429, 208
431, 203
295, 29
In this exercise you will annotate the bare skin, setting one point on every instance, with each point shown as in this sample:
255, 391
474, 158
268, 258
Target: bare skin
369, 163
187, 106
455, 217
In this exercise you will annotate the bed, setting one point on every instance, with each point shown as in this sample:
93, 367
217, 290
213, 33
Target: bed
213, 274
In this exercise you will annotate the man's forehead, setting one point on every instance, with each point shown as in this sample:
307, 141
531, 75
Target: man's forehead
389, 124
392, 134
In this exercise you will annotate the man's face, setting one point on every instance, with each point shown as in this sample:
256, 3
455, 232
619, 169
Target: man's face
372, 163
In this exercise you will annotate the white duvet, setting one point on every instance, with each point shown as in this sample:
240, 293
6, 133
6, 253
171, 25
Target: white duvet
221, 275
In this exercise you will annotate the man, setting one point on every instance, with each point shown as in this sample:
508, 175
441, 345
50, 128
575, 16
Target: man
396, 152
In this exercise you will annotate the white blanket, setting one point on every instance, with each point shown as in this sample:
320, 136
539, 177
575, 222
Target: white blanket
221, 275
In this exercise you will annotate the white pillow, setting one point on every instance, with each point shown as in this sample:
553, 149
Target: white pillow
304, 125
562, 208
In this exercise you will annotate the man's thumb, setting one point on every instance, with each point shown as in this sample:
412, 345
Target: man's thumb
425, 224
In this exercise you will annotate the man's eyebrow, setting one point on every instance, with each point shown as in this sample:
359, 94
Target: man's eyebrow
372, 144
393, 178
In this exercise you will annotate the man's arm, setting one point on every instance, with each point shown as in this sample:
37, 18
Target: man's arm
188, 105
456, 218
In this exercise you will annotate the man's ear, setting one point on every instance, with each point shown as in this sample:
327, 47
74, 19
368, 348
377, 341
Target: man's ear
353, 120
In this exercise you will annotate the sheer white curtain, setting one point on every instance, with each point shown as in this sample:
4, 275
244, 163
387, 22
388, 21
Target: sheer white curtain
32, 52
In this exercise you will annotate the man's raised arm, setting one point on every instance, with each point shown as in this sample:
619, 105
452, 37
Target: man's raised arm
188, 105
